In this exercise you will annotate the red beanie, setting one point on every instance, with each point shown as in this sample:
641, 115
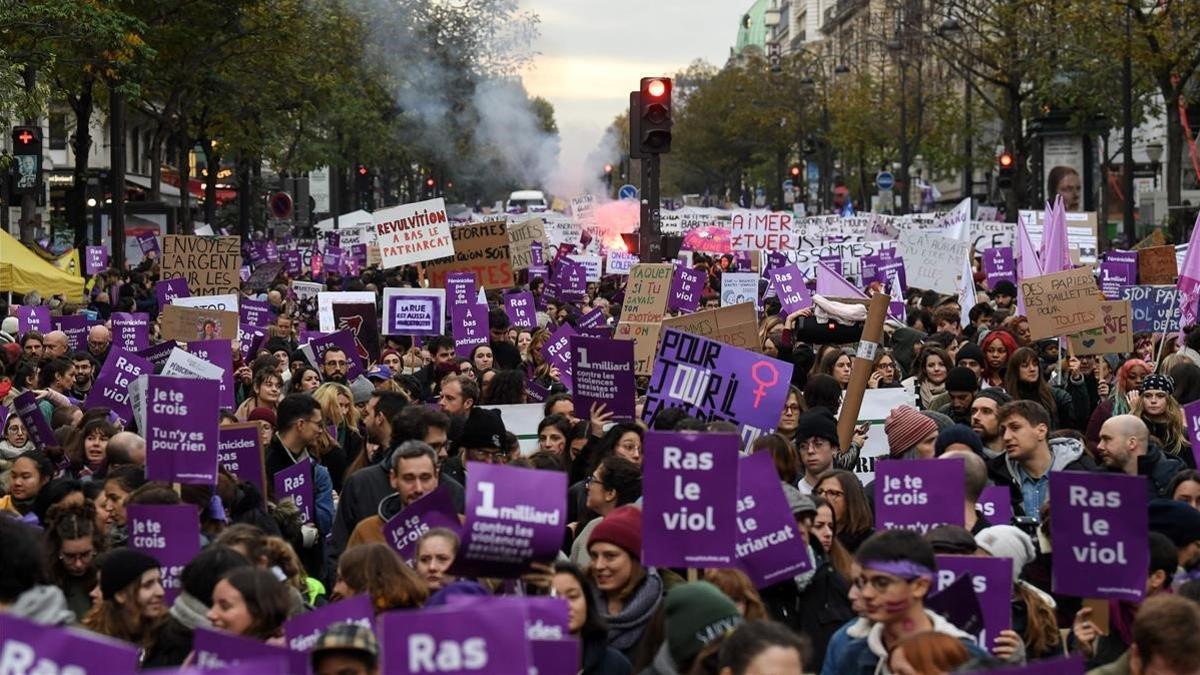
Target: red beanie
905, 427
622, 527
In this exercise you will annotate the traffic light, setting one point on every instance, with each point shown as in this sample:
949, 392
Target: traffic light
1007, 170
654, 116
362, 185
27, 156
795, 171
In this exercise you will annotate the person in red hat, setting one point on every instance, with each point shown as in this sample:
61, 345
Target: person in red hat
627, 593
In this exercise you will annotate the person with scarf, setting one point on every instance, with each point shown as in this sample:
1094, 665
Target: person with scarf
14, 442
930, 370
1116, 402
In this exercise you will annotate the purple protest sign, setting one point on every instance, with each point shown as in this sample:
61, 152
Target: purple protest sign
1119, 268
894, 265
170, 533
789, 285
536, 393
131, 330
485, 636
249, 337
470, 327
220, 354
557, 352
526, 507
293, 262
834, 263
536, 253
686, 286
593, 319
331, 258
343, 340
996, 504
768, 547
998, 265
26, 407
148, 243
571, 278
1069, 665
520, 309
302, 630
240, 452
168, 289
435, 509
602, 373
1099, 523
213, 649
413, 315
27, 647
296, 482
255, 312
919, 494
358, 253
33, 318
707, 378
461, 288
181, 430
689, 505
76, 328
547, 629
111, 389
157, 355
991, 579
96, 259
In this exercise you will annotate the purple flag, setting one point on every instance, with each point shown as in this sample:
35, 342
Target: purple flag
999, 266
991, 579
485, 636
26, 407
1189, 277
689, 504
27, 647
715, 381
1055, 252
255, 312
168, 289
1099, 523
296, 482
520, 309
148, 243
220, 354
181, 430
831, 283
527, 505
686, 286
1118, 269
131, 331
996, 504
239, 451
213, 649
470, 326
602, 372
789, 285
557, 352
1028, 264
33, 318
919, 494
111, 389
170, 533
435, 509
769, 548
461, 288
76, 328
302, 630
344, 340
97, 259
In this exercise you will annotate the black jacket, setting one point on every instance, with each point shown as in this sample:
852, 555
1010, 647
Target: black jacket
1158, 468
600, 659
818, 611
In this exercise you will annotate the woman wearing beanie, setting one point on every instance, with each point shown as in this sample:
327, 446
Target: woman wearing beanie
1154, 402
627, 594
585, 622
1129, 379
910, 434
131, 597
250, 602
697, 617
1034, 633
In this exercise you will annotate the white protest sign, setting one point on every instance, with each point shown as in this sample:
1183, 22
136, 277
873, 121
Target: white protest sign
412, 233
739, 287
183, 364
931, 260
620, 263
225, 303
591, 263
326, 300
305, 290
876, 406
583, 208
521, 420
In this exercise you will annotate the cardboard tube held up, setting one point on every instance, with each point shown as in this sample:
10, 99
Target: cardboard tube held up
864, 363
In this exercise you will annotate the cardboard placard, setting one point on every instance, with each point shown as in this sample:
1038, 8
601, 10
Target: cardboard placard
736, 325
211, 265
645, 305
1115, 337
1157, 266
188, 324
479, 248
520, 238
1062, 303
926, 260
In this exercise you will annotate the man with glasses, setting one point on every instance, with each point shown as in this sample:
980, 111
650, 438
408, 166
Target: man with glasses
483, 439
816, 443
99, 341
897, 573
298, 425
334, 365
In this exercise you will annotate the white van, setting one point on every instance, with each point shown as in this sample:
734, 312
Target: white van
526, 201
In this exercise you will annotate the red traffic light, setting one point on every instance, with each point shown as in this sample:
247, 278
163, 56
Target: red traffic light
795, 171
1005, 159
362, 170
430, 183
608, 168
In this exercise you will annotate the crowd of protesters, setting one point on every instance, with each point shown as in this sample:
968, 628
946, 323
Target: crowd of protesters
1014, 410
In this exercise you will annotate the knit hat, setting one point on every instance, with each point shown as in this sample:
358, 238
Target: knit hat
961, 378
122, 567
1004, 287
1177, 520
10, 325
263, 415
998, 395
1006, 541
346, 636
958, 433
942, 422
905, 427
696, 613
799, 503
817, 423
951, 540
622, 527
969, 350
1158, 382
484, 429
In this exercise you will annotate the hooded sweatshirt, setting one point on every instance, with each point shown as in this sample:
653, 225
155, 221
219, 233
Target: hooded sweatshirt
865, 654
1066, 454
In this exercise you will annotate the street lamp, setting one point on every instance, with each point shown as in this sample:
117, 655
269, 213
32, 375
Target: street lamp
1155, 152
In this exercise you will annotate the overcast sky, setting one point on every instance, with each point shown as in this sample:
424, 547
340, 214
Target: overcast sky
591, 54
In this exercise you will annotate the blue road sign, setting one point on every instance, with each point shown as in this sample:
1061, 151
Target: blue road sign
627, 191
884, 180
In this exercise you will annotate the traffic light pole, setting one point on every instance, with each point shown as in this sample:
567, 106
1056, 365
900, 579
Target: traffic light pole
650, 229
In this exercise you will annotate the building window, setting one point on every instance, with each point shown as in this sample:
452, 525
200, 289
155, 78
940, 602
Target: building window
58, 131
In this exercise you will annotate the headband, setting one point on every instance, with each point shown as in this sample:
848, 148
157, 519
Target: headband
905, 569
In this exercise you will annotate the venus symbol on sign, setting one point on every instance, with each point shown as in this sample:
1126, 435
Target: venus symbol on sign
761, 391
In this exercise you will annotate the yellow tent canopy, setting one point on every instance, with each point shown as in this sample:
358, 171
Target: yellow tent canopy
22, 271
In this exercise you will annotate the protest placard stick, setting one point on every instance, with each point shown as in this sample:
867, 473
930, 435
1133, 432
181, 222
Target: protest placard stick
1163, 339
864, 363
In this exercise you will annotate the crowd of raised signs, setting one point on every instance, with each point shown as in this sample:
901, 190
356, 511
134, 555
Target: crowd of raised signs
622, 473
